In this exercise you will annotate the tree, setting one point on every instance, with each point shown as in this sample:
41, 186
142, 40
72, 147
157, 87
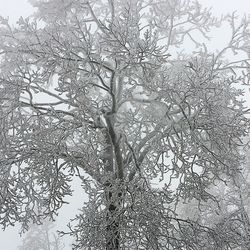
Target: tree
41, 237
228, 214
102, 91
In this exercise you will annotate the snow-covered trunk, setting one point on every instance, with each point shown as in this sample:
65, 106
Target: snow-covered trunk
113, 187
114, 196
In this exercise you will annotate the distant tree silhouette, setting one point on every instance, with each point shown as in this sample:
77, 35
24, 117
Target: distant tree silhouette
41, 237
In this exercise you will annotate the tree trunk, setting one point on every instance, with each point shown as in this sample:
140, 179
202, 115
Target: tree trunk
114, 198
113, 185
113, 234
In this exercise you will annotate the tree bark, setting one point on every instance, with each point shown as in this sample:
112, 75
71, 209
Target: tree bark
113, 185
113, 219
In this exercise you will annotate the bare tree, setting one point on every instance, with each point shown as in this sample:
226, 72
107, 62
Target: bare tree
228, 214
102, 90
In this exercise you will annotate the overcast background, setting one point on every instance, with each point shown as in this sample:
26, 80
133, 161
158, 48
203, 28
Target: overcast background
10, 239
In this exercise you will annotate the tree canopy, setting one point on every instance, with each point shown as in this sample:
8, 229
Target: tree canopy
108, 92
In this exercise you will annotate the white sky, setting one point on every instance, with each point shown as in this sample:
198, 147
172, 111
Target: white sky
9, 240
